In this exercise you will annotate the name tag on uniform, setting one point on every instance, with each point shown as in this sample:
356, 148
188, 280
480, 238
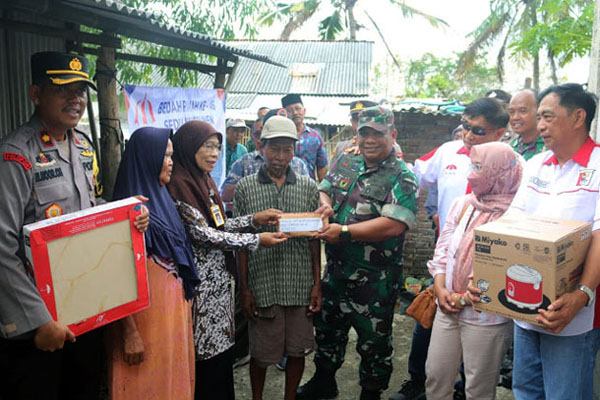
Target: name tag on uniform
217, 216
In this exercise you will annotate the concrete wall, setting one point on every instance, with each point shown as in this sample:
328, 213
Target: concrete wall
419, 133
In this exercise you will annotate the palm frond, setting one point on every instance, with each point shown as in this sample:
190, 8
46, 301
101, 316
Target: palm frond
409, 12
484, 35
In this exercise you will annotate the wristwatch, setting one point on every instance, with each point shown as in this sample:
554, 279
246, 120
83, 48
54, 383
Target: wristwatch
345, 234
589, 292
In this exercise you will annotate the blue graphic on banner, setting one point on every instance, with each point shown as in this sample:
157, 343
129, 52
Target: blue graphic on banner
173, 107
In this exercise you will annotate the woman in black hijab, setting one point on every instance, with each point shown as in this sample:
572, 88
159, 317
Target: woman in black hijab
152, 353
197, 147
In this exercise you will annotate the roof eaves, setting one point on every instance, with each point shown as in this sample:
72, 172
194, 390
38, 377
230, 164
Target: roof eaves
149, 21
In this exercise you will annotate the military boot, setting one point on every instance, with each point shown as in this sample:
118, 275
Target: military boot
321, 386
366, 394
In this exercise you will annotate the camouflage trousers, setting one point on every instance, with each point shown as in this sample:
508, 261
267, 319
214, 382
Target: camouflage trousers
362, 298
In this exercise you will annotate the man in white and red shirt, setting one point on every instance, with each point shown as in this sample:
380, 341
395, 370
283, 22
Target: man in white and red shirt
447, 166
558, 362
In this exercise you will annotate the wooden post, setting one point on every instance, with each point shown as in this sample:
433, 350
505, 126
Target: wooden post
111, 137
219, 75
93, 130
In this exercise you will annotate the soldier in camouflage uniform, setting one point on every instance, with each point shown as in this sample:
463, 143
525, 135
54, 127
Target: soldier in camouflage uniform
372, 198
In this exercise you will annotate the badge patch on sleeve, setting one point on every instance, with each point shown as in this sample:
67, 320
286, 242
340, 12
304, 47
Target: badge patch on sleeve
54, 211
18, 158
87, 153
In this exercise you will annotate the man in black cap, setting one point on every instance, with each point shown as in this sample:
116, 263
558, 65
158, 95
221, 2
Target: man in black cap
47, 169
310, 146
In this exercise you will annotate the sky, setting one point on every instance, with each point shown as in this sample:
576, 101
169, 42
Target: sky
411, 38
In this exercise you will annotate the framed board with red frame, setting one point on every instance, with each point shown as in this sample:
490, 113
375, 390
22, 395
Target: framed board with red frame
90, 266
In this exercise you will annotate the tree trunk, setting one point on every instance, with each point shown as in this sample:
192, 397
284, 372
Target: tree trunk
552, 67
536, 55
295, 22
352, 24
108, 104
594, 87
536, 71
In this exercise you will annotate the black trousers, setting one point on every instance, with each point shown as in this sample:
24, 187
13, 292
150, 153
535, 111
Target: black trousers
75, 372
214, 378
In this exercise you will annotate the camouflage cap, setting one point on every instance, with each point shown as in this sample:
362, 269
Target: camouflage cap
379, 118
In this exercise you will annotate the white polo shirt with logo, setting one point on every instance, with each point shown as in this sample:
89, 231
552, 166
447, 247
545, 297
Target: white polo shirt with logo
570, 192
447, 167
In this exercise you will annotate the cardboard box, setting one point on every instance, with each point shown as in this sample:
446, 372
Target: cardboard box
90, 266
524, 262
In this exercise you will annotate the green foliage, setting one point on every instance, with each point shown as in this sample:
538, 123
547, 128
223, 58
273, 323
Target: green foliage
340, 22
222, 19
433, 77
331, 26
562, 28
565, 30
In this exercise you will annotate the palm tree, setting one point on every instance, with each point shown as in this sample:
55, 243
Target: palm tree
342, 19
520, 25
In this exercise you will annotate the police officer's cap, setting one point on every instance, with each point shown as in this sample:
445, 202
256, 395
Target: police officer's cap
275, 111
60, 68
359, 105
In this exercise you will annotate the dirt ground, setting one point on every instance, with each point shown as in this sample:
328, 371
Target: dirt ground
347, 376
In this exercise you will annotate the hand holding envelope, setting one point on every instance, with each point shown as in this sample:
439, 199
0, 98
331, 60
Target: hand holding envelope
270, 216
301, 224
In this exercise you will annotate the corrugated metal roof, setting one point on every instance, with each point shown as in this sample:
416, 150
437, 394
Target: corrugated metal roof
114, 8
240, 100
344, 72
116, 17
320, 110
15, 75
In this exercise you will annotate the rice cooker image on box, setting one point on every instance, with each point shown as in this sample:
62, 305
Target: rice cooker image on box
524, 287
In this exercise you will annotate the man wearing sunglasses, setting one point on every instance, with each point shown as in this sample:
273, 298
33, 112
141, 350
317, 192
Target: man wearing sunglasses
445, 169
447, 166
373, 195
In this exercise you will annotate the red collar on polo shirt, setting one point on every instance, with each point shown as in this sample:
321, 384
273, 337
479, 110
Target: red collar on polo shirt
581, 157
463, 150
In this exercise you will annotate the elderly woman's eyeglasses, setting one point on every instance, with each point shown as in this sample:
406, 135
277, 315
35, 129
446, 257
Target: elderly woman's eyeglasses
212, 147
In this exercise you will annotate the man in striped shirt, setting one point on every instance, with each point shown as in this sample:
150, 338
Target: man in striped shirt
280, 287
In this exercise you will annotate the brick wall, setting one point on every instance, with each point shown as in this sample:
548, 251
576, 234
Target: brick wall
419, 133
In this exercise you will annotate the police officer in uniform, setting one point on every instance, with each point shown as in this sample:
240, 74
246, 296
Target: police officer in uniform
47, 169
372, 198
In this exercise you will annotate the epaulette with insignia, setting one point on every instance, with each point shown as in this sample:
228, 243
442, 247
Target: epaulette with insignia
82, 138
46, 139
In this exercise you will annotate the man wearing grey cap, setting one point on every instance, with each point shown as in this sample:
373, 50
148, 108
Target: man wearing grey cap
373, 195
48, 168
280, 288
235, 130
